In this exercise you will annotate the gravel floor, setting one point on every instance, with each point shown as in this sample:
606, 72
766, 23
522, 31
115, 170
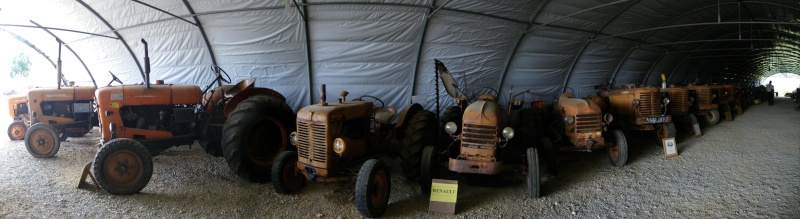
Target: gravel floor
748, 168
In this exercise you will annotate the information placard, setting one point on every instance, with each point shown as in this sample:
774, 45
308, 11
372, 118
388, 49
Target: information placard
444, 194
670, 147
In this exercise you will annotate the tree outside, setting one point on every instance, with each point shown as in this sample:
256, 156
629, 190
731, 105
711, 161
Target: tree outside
20, 65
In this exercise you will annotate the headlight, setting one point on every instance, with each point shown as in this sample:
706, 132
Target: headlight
450, 128
112, 127
608, 118
293, 138
713, 96
666, 101
691, 99
508, 133
726, 93
338, 146
569, 120
635, 102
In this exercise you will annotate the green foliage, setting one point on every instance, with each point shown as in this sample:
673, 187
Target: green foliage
20, 65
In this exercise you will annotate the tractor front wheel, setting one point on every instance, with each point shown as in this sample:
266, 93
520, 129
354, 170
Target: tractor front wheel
373, 188
532, 179
666, 130
42, 140
254, 134
712, 117
618, 151
286, 178
16, 131
428, 168
122, 166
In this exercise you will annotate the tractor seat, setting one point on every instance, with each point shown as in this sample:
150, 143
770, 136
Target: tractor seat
385, 116
242, 85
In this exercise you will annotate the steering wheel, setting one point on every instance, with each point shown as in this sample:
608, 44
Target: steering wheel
375, 101
113, 79
220, 72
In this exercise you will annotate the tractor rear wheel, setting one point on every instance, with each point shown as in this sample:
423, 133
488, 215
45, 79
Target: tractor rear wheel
16, 131
419, 132
428, 168
286, 178
666, 130
532, 179
122, 166
254, 134
712, 117
42, 140
618, 150
373, 188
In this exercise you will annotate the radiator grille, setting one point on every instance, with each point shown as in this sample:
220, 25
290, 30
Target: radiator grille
679, 102
479, 135
649, 103
312, 142
588, 123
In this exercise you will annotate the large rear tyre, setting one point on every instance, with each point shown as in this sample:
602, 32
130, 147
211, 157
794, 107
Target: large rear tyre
42, 140
532, 179
666, 130
419, 132
286, 178
712, 117
16, 131
373, 188
254, 134
618, 151
122, 166
428, 168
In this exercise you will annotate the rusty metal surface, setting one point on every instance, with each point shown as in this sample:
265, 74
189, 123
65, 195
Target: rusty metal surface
478, 167
679, 100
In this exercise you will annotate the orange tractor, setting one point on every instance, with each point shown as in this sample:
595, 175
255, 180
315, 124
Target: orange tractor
702, 104
720, 97
641, 109
335, 139
18, 109
679, 107
140, 121
482, 139
579, 125
58, 113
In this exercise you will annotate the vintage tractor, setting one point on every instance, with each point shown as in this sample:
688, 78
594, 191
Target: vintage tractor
140, 121
642, 109
335, 139
482, 146
579, 125
58, 113
18, 109
720, 97
679, 107
730, 98
702, 104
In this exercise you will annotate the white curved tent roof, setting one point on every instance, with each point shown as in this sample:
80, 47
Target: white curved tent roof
386, 48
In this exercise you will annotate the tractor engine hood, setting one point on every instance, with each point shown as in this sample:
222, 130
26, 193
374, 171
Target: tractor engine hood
335, 112
575, 106
157, 94
482, 112
63, 94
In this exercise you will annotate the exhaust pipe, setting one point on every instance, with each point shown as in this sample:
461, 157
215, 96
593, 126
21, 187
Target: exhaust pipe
146, 65
322, 97
60, 76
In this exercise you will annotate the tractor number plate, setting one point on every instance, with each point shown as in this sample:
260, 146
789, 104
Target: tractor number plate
660, 119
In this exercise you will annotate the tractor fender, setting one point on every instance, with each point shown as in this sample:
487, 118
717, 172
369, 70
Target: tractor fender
411, 109
247, 93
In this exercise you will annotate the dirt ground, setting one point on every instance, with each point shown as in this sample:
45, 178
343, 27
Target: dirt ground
747, 168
